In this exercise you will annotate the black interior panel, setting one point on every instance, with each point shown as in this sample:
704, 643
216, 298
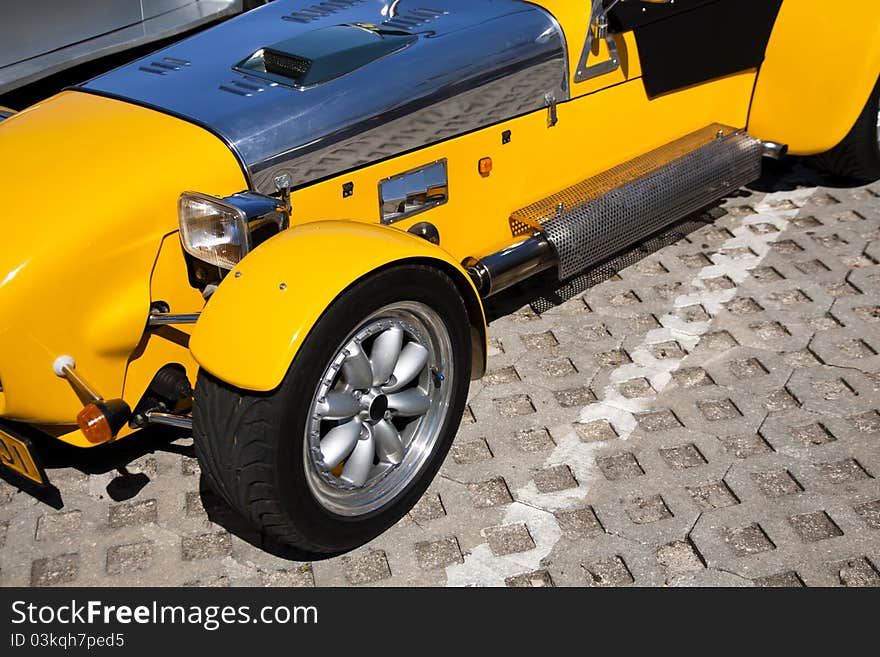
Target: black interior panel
693, 41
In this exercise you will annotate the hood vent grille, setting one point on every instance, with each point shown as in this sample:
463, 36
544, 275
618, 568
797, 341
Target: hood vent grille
320, 10
289, 66
414, 18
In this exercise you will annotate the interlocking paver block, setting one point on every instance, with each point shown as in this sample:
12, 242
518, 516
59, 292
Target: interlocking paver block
133, 513
578, 523
555, 478
870, 513
831, 390
472, 451
504, 375
691, 377
489, 493
812, 434
557, 367
643, 510
429, 508
715, 410
770, 330
713, 496
507, 539
856, 572
744, 306
866, 422
534, 440
298, 577
595, 431
815, 526
366, 568
747, 368
789, 579
514, 406
594, 333
620, 466
679, 557
684, 456
777, 483
131, 557
52, 571
843, 472
667, 350
206, 546
545, 340
613, 358
539, 578
780, 400
658, 420
439, 553
745, 541
745, 446
53, 526
580, 396
634, 388
612, 571
856, 349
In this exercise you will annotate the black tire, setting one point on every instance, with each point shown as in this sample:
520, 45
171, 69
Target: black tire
250, 445
858, 156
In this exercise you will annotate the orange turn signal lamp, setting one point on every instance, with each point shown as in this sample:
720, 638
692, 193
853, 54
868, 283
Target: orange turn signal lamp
102, 419
485, 166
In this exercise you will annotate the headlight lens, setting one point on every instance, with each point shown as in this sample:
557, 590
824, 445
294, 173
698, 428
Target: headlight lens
213, 231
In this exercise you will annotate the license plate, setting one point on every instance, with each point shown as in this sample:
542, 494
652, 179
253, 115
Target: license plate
17, 455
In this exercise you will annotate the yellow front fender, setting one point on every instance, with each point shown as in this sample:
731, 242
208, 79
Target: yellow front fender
256, 321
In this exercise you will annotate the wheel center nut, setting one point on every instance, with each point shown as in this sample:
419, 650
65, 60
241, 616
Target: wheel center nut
375, 404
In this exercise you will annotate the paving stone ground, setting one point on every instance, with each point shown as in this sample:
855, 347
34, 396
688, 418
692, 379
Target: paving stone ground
705, 413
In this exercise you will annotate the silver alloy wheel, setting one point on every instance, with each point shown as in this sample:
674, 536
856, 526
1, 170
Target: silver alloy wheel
378, 409
878, 126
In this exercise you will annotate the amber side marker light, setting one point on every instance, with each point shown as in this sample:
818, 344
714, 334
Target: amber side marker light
101, 420
485, 166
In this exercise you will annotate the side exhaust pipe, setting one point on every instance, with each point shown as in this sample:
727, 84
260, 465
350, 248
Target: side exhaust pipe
498, 271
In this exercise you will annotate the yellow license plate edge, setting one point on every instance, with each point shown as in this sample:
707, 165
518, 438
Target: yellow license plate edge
15, 454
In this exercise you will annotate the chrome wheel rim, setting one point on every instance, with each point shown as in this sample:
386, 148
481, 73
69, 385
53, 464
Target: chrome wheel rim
378, 409
878, 126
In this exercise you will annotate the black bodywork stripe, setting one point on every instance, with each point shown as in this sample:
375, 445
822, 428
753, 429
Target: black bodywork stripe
694, 41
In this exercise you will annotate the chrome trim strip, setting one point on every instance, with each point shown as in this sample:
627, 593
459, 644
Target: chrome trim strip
169, 319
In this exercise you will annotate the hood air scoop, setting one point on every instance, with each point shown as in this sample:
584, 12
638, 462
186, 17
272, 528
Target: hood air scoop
326, 53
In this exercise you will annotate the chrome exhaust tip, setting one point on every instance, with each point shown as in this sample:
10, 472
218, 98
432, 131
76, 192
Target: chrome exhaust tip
774, 150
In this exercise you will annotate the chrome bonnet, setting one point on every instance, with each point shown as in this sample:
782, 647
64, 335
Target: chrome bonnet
474, 63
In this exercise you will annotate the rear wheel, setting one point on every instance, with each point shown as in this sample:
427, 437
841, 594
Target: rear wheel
350, 440
858, 155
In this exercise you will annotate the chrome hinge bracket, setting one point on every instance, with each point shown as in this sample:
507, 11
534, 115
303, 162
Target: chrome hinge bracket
552, 116
597, 30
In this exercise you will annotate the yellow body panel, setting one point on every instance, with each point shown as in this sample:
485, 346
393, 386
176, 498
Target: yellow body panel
120, 160
594, 134
280, 290
822, 63
93, 185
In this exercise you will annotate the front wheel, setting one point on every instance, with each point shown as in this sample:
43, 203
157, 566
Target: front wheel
350, 440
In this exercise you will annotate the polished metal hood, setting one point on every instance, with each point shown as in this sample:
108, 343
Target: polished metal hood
469, 64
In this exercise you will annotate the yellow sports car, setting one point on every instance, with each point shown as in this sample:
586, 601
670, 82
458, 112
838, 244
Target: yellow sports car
280, 231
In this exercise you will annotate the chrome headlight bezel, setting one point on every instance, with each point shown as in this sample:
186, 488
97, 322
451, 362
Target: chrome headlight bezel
222, 231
